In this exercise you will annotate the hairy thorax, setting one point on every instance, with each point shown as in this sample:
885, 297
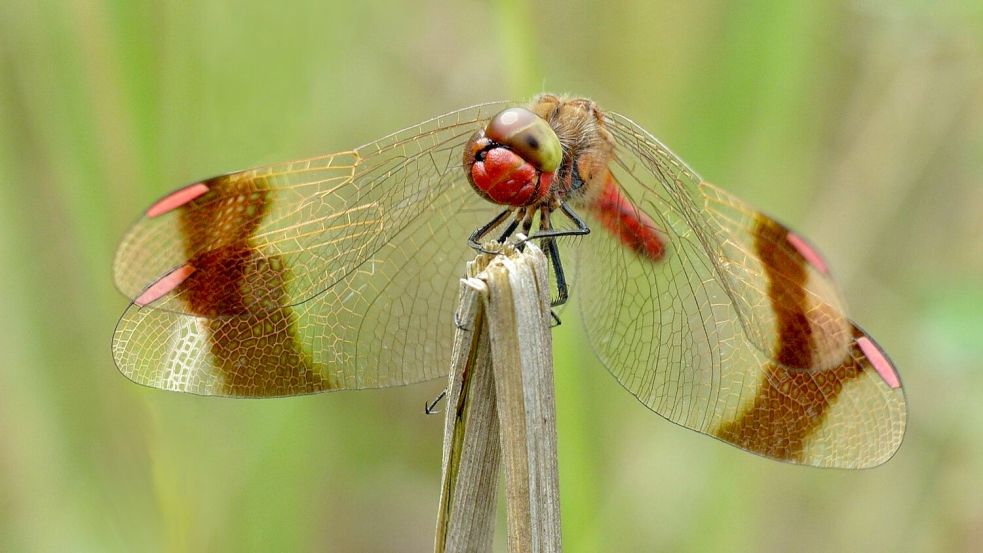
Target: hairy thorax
587, 146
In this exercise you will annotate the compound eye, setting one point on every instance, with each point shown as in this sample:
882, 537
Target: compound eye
529, 136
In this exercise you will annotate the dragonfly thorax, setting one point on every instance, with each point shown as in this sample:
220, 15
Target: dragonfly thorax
587, 146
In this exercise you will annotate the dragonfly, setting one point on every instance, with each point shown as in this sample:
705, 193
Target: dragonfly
339, 272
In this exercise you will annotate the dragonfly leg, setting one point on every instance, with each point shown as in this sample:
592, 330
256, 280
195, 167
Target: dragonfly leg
549, 244
458, 323
509, 230
475, 239
556, 320
549, 232
430, 408
561, 281
546, 232
527, 222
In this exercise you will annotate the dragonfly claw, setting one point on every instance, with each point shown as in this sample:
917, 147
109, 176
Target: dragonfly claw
458, 323
430, 407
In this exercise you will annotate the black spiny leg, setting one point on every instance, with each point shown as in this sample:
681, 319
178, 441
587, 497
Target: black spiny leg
430, 407
508, 231
483, 230
527, 221
545, 232
548, 232
549, 235
561, 281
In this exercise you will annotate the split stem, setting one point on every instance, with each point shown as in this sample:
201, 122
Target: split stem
501, 409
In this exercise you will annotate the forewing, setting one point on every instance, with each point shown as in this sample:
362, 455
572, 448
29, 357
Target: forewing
726, 333
316, 220
258, 324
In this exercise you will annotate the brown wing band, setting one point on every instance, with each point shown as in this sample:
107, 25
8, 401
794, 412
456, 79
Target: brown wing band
253, 338
791, 404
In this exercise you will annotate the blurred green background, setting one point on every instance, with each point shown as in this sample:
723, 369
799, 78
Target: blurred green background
858, 122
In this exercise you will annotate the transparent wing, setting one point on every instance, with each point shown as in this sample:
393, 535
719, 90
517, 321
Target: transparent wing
353, 287
738, 331
320, 218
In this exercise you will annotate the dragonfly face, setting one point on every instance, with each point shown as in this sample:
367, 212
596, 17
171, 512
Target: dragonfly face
513, 159
338, 272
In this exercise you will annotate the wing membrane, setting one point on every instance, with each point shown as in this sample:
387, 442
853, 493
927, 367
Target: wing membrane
328, 274
738, 331
320, 218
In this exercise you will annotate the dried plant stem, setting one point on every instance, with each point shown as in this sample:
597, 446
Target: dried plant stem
501, 408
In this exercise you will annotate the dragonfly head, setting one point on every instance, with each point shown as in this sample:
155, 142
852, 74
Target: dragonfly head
513, 159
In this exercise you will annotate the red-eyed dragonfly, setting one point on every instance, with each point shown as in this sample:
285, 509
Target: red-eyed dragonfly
339, 272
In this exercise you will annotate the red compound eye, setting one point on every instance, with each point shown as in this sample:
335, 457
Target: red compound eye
512, 161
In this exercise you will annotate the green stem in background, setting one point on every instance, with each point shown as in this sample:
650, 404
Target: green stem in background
515, 31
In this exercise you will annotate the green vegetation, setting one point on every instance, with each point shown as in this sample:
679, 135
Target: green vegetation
859, 123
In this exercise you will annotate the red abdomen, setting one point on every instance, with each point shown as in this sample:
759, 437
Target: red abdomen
629, 224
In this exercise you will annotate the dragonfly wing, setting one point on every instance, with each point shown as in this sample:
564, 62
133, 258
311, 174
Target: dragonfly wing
389, 322
735, 332
203, 250
328, 274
